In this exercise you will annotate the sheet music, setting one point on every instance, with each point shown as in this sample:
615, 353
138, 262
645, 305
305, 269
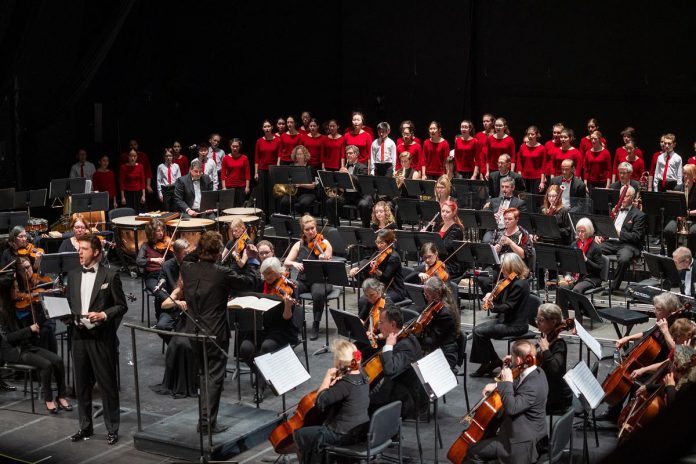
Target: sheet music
581, 381
434, 370
282, 369
252, 302
495, 255
589, 340
56, 306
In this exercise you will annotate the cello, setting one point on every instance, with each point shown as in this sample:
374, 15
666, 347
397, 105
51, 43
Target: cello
478, 420
642, 409
617, 384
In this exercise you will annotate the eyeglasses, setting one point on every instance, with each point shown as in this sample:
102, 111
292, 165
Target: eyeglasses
539, 319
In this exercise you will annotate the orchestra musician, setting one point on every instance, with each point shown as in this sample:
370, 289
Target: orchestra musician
312, 245
232, 256
523, 424
207, 287
399, 352
26, 292
592, 254
571, 185
369, 309
554, 206
188, 188
364, 202
385, 266
451, 231
500, 204
504, 170
306, 193
382, 216
625, 171
430, 266
444, 328
170, 272
684, 261
279, 329
443, 189
345, 392
151, 257
630, 226
79, 228
510, 307
670, 230
18, 245
98, 304
406, 171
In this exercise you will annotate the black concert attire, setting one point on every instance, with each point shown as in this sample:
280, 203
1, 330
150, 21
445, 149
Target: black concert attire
185, 191
301, 202
670, 230
391, 277
629, 244
347, 423
95, 351
594, 265
319, 290
561, 215
408, 174
66, 246
229, 260
442, 332
633, 183
687, 285
512, 319
364, 313
523, 425
206, 288
553, 363
577, 186
167, 319
363, 202
151, 273
391, 226
453, 234
494, 183
495, 205
400, 382
521, 238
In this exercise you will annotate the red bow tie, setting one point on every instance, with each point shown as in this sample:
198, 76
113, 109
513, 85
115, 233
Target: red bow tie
567, 180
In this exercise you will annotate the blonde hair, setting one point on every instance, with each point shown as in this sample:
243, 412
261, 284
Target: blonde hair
237, 222
306, 219
511, 262
444, 180
388, 215
343, 351
307, 154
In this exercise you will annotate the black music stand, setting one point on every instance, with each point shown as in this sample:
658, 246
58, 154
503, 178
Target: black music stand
88, 202
470, 193
349, 325
286, 228
663, 205
382, 168
662, 267
602, 197
326, 272
419, 188
290, 175
415, 294
534, 202
473, 219
544, 226
407, 210
30, 199
406, 241
366, 237
433, 237
351, 236
9, 219
59, 263
61, 188
7, 198
217, 200
378, 186
603, 225
478, 254
569, 300
336, 180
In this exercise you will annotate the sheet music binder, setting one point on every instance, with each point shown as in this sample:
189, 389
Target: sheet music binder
435, 374
282, 370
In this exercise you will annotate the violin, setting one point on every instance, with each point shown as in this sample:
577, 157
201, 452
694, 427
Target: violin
374, 321
31, 251
438, 270
283, 287
106, 243
375, 263
499, 288
317, 245
162, 245
239, 248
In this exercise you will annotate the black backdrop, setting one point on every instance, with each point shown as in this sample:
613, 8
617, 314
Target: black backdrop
170, 70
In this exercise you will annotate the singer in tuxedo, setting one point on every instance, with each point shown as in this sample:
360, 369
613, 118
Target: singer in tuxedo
98, 304
206, 288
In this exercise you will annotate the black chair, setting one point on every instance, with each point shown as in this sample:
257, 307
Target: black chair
384, 425
604, 274
28, 372
533, 303
120, 212
560, 436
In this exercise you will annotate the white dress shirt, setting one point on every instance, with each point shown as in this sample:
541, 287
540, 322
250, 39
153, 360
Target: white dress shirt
88, 169
163, 178
687, 279
211, 170
389, 153
196, 195
620, 218
86, 288
674, 170
217, 159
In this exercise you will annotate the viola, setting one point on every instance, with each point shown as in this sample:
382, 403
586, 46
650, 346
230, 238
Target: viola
499, 289
317, 245
162, 245
480, 417
374, 321
568, 324
239, 248
31, 251
25, 299
438, 270
283, 287
417, 325
384, 254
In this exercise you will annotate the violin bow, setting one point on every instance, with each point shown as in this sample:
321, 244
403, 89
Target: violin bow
171, 240
11, 263
374, 256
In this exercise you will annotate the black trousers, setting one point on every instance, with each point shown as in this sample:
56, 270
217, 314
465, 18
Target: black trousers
168, 202
95, 357
532, 185
482, 349
670, 232
50, 365
216, 377
300, 204
151, 279
239, 196
319, 292
312, 440
264, 199
133, 200
625, 253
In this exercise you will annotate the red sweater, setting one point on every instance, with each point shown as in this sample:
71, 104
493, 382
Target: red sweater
497, 147
467, 154
556, 157
142, 159
691, 160
586, 145
367, 129
287, 143
235, 171
334, 151
531, 161
363, 141
132, 178
620, 157
597, 165
183, 163
266, 152
315, 146
400, 140
416, 152
104, 182
434, 156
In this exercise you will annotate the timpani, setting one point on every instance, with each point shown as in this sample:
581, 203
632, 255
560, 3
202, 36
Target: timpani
243, 211
190, 228
130, 234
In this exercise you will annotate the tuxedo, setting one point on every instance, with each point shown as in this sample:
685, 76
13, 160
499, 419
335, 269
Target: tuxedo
523, 425
692, 283
629, 245
515, 202
95, 351
494, 183
670, 230
363, 202
184, 193
577, 186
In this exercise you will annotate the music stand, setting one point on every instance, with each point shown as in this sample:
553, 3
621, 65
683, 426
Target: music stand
336, 180
88, 202
326, 272
604, 196
415, 294
350, 236
407, 210
603, 225
569, 300
285, 227
419, 188
477, 254
545, 226
7, 198
59, 263
290, 175
666, 205
470, 193
217, 200
483, 219
30, 199
534, 202
432, 237
382, 168
378, 186
60, 188
662, 267
365, 237
350, 326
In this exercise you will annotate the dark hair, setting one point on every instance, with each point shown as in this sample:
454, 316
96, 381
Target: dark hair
393, 314
150, 229
14, 233
94, 242
203, 145
387, 235
428, 247
210, 245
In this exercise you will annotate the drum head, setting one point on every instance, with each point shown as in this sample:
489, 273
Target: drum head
242, 211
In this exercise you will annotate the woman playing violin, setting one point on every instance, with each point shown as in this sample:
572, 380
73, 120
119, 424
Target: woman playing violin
430, 266
346, 391
151, 257
382, 217
385, 267
312, 245
78, 225
443, 329
236, 248
279, 327
19, 245
510, 306
369, 309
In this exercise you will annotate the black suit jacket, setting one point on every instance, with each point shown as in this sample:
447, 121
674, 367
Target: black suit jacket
682, 284
515, 202
578, 189
594, 263
633, 183
524, 421
511, 305
633, 228
170, 272
494, 183
398, 361
184, 193
206, 288
107, 296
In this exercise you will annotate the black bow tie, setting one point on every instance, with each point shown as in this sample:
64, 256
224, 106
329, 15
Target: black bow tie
507, 198
624, 209
88, 269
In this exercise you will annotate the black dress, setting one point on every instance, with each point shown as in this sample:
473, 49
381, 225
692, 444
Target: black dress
180, 379
453, 234
442, 333
553, 362
391, 277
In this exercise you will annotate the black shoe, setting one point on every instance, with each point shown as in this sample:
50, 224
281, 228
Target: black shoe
484, 370
64, 408
315, 331
7, 387
111, 438
53, 410
216, 429
82, 435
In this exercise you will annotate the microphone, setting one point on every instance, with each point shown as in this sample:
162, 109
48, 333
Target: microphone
159, 286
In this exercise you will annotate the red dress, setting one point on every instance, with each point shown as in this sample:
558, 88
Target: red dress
467, 154
334, 151
621, 155
586, 145
132, 178
104, 182
597, 166
482, 139
235, 171
531, 161
363, 141
142, 159
400, 140
416, 152
183, 163
315, 146
435, 155
287, 143
266, 152
497, 147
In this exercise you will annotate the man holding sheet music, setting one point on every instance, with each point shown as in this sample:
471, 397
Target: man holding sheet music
524, 405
